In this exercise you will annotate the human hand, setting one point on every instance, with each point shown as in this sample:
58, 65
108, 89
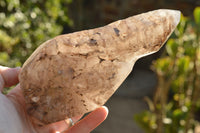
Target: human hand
14, 119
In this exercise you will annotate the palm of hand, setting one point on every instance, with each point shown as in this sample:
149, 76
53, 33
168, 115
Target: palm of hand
13, 116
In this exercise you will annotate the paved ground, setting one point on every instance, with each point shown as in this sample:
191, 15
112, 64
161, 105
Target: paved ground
127, 101
120, 118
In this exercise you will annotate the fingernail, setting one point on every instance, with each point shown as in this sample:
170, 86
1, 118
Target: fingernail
105, 108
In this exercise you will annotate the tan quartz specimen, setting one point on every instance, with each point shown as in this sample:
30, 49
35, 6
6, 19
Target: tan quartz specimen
76, 73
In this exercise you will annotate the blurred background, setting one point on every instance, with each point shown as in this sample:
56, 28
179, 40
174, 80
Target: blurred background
161, 95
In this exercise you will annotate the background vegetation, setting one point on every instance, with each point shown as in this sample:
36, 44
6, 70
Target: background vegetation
25, 24
175, 106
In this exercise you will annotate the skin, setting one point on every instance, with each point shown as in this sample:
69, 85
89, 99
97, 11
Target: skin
13, 117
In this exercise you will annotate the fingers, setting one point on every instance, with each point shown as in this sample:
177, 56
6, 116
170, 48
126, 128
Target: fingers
58, 126
16, 95
8, 76
90, 122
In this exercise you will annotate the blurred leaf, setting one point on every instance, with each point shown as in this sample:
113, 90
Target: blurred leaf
172, 47
147, 121
163, 66
179, 31
190, 50
4, 57
183, 64
196, 14
178, 113
6, 42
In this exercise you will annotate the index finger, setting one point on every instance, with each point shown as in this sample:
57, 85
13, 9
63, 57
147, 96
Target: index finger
90, 122
8, 76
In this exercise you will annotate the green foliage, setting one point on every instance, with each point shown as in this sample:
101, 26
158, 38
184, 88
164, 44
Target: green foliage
26, 24
197, 16
148, 121
177, 97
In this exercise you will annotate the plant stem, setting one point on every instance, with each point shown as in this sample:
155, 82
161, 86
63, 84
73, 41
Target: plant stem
195, 95
161, 99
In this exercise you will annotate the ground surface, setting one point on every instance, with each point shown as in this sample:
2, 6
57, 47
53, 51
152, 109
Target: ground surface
127, 101
120, 118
